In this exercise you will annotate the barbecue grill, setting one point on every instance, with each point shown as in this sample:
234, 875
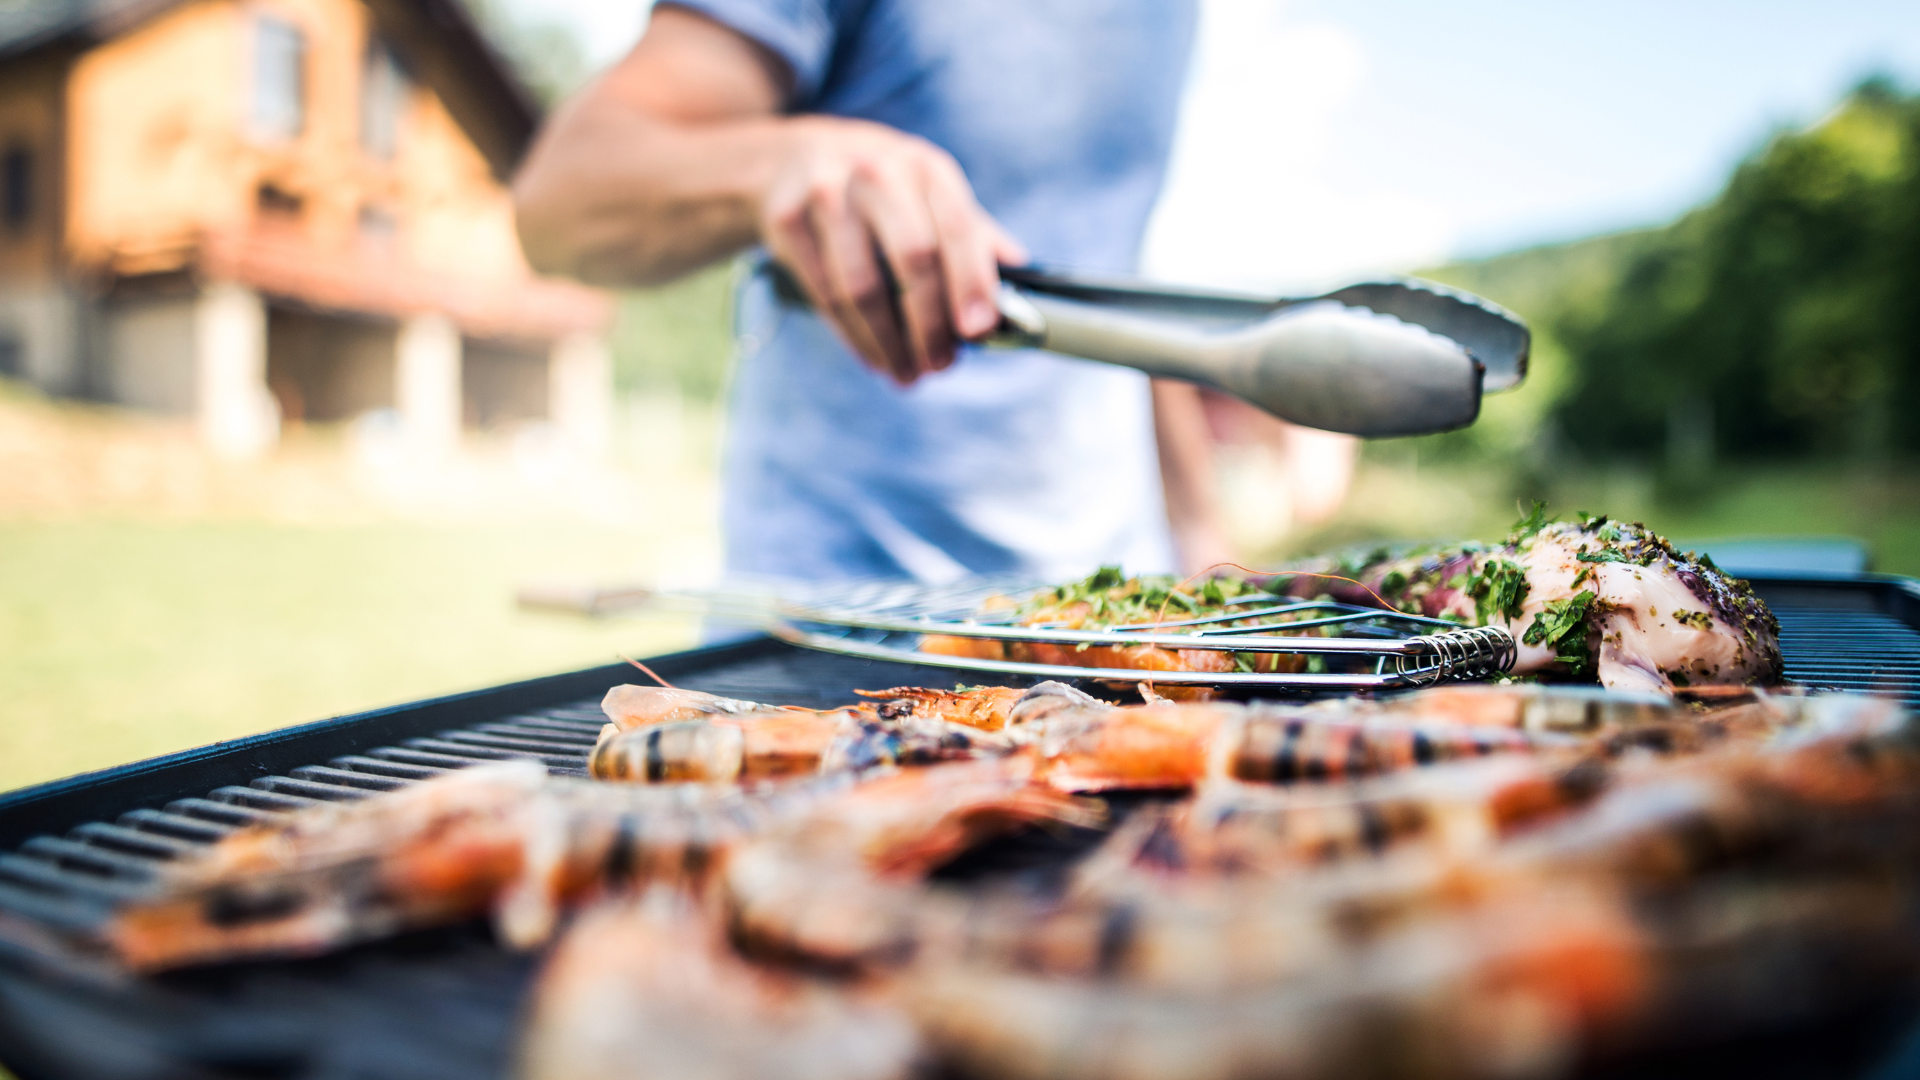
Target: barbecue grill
444, 1003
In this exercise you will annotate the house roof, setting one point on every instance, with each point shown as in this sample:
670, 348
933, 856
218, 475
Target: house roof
437, 39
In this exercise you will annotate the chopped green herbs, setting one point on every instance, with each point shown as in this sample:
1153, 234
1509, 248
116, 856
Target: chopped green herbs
1109, 598
1499, 588
1603, 555
1562, 628
1535, 520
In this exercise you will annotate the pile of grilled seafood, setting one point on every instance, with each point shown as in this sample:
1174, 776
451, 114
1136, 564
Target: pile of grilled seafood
1468, 881
1586, 600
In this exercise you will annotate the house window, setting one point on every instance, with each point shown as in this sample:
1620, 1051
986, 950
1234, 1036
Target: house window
273, 202
16, 188
279, 79
383, 94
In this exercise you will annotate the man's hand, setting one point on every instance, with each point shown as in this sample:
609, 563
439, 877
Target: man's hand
681, 155
855, 204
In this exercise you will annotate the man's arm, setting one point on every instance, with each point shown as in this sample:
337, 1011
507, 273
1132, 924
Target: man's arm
1186, 472
679, 156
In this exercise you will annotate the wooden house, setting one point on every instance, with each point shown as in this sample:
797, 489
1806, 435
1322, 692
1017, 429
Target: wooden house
261, 212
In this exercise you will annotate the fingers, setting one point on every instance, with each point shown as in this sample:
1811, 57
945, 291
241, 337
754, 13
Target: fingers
892, 199
811, 231
886, 236
968, 244
859, 302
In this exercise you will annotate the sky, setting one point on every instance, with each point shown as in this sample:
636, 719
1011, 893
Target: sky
1324, 141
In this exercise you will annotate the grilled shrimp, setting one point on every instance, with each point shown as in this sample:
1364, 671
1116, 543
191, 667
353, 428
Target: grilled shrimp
771, 745
984, 707
1527, 982
648, 987
1669, 910
1280, 745
1147, 747
629, 706
1085, 745
838, 883
1234, 889
1577, 710
436, 852
1463, 807
1502, 993
501, 838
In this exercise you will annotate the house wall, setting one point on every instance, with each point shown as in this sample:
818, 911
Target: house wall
359, 267
156, 149
162, 151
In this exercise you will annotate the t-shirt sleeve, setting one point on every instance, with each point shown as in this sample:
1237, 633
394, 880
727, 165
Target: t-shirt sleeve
799, 32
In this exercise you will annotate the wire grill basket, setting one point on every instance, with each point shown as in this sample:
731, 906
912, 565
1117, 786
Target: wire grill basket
1374, 649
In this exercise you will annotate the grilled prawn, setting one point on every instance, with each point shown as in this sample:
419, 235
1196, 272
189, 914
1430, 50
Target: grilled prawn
500, 838
648, 987
984, 707
771, 745
1084, 745
838, 884
1663, 910
1524, 984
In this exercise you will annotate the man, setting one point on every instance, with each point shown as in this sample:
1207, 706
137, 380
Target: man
891, 154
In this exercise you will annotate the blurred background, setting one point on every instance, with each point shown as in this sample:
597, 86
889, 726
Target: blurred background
285, 421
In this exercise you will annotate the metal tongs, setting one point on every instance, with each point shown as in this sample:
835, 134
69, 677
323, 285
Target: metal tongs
1377, 359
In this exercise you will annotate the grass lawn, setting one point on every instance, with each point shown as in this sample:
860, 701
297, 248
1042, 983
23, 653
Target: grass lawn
121, 639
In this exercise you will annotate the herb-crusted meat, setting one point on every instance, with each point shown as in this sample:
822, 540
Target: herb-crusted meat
1596, 597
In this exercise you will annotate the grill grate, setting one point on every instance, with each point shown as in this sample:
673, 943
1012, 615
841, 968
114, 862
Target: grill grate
441, 1004
1862, 651
70, 881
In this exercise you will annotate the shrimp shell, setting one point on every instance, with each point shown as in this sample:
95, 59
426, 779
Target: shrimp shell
1285, 747
839, 884
985, 707
648, 987
773, 745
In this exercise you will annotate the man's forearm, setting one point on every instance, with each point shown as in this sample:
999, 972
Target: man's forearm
613, 196
659, 167
680, 155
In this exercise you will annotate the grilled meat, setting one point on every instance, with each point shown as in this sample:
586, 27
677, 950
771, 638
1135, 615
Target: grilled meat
1594, 598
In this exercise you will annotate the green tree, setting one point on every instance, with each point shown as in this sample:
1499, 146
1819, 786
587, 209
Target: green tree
1780, 319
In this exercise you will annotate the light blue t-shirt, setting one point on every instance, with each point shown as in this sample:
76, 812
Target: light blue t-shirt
1061, 113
